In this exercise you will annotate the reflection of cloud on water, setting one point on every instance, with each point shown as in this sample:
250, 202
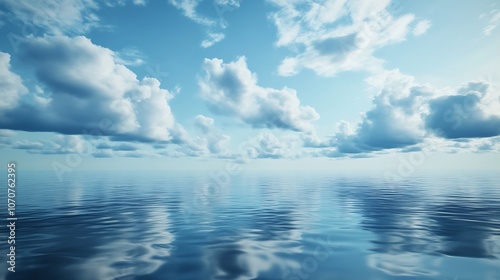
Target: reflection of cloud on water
137, 250
467, 228
248, 258
404, 264
267, 246
414, 230
402, 244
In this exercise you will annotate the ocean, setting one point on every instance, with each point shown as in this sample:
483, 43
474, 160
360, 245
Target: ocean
286, 226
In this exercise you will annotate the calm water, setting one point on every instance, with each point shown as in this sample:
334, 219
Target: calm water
184, 226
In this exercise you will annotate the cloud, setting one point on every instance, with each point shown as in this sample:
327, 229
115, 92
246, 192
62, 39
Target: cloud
407, 116
81, 145
188, 8
212, 39
493, 21
27, 145
231, 89
333, 36
491, 144
266, 145
214, 26
209, 142
470, 113
55, 16
6, 137
421, 27
103, 154
312, 140
7, 133
205, 124
11, 85
117, 147
129, 57
395, 121
61, 144
139, 2
87, 90
215, 142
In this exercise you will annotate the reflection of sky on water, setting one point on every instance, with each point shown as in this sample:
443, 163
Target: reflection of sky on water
267, 237
258, 227
412, 228
265, 247
133, 250
467, 227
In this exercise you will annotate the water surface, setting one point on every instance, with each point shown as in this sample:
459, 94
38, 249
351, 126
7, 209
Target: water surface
163, 225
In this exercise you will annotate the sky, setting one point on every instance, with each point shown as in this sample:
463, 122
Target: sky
396, 86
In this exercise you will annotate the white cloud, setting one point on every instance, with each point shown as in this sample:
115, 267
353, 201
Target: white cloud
214, 141
421, 27
188, 8
129, 57
214, 25
333, 36
405, 115
472, 112
88, 90
11, 85
139, 2
7, 133
212, 39
395, 120
56, 16
231, 89
493, 22
61, 144
209, 142
267, 145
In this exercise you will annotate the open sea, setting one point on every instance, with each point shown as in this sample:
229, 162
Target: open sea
287, 226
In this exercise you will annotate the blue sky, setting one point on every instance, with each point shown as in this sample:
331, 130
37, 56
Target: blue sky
275, 84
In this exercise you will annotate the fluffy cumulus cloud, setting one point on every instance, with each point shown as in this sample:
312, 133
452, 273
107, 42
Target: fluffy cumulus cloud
11, 85
406, 115
207, 141
267, 145
231, 89
214, 141
86, 90
395, 120
330, 36
215, 25
472, 112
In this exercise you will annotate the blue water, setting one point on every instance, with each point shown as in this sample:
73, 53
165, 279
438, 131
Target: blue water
255, 226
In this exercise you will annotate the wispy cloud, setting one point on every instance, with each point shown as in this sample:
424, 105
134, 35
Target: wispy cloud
493, 19
55, 16
214, 26
421, 27
334, 36
212, 39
